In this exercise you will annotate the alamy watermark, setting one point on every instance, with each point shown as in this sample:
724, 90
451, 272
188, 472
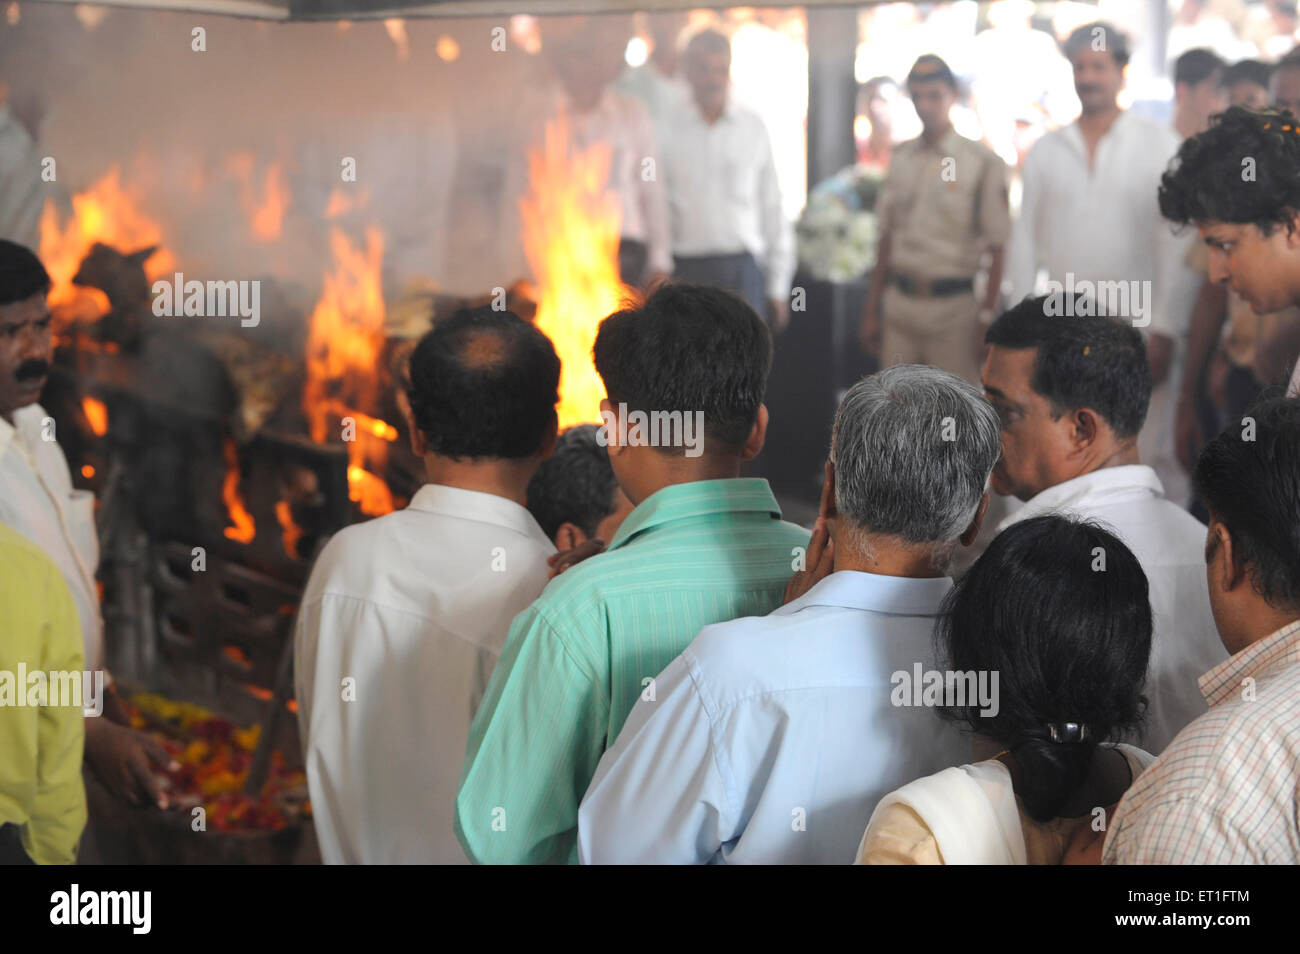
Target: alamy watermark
1128, 300
195, 299
954, 689
653, 429
54, 688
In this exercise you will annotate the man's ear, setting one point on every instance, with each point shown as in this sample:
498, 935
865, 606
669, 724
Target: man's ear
971, 532
552, 435
609, 424
419, 443
1085, 428
569, 536
1232, 572
826, 510
757, 435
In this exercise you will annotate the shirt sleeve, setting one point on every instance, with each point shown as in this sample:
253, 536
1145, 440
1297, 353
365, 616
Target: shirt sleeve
653, 197
1022, 253
659, 795
1180, 831
59, 809
995, 213
778, 233
533, 748
898, 837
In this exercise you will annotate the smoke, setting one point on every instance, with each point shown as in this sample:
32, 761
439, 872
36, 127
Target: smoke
429, 136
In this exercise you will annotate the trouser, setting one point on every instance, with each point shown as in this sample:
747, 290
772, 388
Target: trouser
934, 331
11, 846
738, 273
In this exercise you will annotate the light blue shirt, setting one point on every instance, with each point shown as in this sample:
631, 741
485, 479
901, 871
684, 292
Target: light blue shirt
770, 739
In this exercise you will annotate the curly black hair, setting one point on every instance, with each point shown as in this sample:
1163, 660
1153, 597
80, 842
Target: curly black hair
1244, 169
484, 383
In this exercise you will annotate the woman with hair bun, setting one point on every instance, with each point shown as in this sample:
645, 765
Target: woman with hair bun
1058, 610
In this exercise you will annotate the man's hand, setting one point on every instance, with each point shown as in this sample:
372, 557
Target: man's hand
818, 563
124, 760
1188, 436
869, 333
978, 345
780, 314
559, 562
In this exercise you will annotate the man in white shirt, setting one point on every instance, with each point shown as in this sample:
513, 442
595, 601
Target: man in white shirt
585, 56
21, 194
770, 739
1072, 393
37, 500
1088, 213
658, 82
404, 616
728, 229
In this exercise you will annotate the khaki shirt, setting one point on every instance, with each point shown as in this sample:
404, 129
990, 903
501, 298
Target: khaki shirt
944, 206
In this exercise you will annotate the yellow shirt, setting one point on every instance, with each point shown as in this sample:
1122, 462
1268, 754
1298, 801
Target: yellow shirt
40, 772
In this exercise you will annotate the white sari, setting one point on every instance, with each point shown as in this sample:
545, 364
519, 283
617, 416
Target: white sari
971, 811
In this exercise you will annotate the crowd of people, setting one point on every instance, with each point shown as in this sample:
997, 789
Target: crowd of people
605, 645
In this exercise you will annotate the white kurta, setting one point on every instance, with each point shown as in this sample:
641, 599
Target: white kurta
38, 500
1169, 543
1102, 222
723, 192
22, 194
400, 627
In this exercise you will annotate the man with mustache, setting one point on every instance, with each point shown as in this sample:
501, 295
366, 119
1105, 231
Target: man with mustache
1072, 394
1088, 209
38, 501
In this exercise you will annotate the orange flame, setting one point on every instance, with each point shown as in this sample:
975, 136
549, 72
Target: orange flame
344, 342
96, 415
265, 211
291, 533
244, 529
107, 213
571, 231
267, 217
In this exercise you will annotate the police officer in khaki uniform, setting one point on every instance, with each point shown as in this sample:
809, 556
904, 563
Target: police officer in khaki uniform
943, 208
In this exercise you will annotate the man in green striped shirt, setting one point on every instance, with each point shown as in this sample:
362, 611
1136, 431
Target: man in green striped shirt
702, 546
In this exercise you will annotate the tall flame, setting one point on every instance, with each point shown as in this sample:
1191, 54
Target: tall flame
571, 231
108, 213
344, 344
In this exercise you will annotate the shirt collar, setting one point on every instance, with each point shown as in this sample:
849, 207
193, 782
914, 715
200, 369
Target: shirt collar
945, 143
697, 498
22, 427
1109, 485
1274, 652
897, 595
476, 505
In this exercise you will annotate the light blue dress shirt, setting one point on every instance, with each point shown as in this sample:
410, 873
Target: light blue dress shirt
770, 739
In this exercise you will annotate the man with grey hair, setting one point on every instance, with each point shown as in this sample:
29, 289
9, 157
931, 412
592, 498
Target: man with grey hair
770, 739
